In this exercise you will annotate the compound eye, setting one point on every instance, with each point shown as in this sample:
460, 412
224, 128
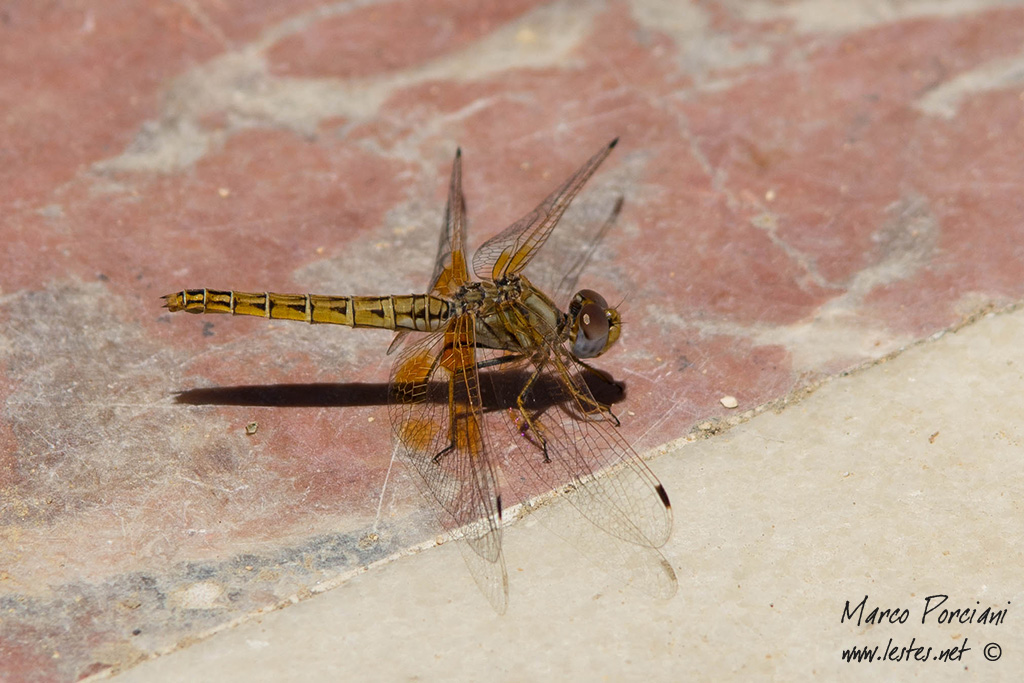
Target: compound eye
591, 295
592, 324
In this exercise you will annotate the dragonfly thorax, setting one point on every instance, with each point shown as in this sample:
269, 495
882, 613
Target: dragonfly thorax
470, 297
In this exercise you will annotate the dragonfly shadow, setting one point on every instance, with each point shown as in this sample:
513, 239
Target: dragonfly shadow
314, 395
496, 394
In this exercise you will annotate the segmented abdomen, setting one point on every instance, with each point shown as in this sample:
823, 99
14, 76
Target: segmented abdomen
420, 312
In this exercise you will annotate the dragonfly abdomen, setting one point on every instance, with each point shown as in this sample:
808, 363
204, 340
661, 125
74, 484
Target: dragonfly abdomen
420, 312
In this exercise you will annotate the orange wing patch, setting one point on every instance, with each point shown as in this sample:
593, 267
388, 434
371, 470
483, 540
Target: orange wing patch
415, 369
453, 275
459, 352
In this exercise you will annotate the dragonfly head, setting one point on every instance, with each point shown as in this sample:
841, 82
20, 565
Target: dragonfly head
595, 326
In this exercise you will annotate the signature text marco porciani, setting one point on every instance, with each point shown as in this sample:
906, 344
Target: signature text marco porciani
931, 610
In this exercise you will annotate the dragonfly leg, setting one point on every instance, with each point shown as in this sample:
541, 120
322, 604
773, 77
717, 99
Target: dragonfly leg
500, 360
521, 406
598, 406
441, 454
607, 379
592, 409
463, 424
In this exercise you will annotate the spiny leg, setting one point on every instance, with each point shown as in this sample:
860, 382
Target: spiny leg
463, 427
443, 452
521, 405
605, 377
500, 360
584, 399
587, 403
452, 421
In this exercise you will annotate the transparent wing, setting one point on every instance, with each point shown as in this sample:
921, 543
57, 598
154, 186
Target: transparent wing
640, 566
450, 269
435, 410
609, 483
510, 250
450, 266
557, 267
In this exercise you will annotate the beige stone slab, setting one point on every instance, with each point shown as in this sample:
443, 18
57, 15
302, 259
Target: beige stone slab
898, 483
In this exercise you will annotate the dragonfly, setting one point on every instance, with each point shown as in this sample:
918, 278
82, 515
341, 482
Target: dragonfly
472, 352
